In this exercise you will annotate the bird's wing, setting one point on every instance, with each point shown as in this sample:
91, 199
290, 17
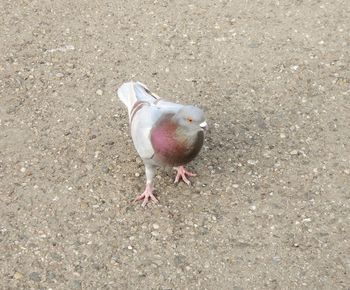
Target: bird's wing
141, 125
133, 93
145, 109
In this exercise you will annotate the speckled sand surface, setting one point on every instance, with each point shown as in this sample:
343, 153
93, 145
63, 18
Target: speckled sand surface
270, 206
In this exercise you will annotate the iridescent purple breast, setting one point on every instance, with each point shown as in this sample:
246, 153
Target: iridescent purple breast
173, 148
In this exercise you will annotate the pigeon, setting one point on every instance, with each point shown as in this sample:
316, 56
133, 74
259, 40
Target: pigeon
164, 133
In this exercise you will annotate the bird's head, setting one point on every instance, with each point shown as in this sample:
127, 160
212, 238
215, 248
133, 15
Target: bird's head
192, 118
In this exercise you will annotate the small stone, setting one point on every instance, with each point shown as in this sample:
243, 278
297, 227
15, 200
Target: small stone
35, 276
294, 152
104, 169
50, 275
84, 205
75, 284
57, 257
347, 171
18, 276
253, 45
235, 185
99, 92
155, 226
137, 174
282, 135
158, 262
252, 162
130, 247
23, 169
59, 75
253, 207
155, 234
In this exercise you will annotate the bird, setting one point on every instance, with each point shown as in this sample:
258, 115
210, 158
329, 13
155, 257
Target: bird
164, 133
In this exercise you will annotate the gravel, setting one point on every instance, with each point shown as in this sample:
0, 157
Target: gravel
269, 208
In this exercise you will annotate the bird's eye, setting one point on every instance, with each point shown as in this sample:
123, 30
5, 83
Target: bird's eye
190, 120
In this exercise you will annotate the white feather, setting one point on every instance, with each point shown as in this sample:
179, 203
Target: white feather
126, 94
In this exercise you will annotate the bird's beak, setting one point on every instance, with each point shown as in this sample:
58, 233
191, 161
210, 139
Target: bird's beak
203, 125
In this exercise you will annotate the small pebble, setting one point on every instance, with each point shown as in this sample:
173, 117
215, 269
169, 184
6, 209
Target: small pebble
75, 284
155, 226
18, 276
294, 152
99, 92
23, 169
104, 168
84, 205
35, 276
137, 174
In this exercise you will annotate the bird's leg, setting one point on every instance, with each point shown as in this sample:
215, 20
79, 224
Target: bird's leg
148, 193
182, 172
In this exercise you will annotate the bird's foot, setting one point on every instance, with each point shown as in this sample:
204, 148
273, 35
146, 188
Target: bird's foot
146, 196
181, 173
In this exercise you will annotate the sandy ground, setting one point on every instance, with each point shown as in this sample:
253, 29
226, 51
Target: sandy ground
270, 206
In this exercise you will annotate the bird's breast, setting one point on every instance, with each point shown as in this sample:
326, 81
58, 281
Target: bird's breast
170, 148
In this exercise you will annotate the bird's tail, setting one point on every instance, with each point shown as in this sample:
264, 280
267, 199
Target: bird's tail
132, 92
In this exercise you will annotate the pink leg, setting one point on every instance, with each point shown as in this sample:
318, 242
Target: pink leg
182, 172
146, 195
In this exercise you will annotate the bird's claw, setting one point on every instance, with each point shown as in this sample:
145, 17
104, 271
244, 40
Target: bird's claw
181, 173
146, 196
